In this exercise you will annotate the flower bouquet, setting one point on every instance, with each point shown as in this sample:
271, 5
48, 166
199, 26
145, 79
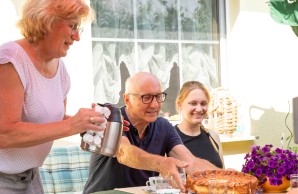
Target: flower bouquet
267, 163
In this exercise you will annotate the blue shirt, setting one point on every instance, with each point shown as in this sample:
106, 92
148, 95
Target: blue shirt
106, 173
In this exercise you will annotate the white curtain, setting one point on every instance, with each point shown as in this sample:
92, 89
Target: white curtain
145, 37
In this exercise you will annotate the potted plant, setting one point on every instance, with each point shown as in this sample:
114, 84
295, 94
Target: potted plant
284, 12
271, 166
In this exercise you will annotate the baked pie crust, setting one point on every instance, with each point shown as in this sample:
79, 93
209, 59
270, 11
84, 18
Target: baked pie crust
238, 182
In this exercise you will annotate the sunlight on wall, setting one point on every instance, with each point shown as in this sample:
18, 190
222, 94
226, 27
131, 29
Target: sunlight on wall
263, 73
8, 19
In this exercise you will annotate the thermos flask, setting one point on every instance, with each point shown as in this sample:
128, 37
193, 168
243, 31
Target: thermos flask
106, 142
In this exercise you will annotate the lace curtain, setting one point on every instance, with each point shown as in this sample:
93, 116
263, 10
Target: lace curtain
154, 36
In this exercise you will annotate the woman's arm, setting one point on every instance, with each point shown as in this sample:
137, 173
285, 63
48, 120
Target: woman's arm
15, 133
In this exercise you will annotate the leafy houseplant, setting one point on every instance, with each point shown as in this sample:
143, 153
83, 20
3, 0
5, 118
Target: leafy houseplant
284, 12
274, 164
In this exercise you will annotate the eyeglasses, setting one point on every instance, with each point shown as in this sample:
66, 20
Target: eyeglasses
76, 29
147, 98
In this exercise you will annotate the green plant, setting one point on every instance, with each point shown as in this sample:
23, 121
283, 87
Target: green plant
284, 12
293, 149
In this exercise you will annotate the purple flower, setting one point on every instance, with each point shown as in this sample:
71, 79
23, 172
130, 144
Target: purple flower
250, 165
269, 173
273, 181
281, 170
268, 155
259, 172
278, 150
273, 164
283, 157
254, 152
266, 149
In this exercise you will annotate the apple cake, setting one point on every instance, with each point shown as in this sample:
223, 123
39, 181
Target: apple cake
238, 182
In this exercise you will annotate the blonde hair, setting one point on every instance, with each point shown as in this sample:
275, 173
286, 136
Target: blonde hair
39, 15
186, 88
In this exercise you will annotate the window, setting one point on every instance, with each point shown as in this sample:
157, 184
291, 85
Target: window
176, 40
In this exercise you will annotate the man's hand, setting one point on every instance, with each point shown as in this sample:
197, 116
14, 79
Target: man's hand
168, 167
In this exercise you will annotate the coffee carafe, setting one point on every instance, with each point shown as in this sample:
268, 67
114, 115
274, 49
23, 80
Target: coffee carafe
105, 142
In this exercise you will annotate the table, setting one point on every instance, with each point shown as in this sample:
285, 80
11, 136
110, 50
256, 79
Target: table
134, 190
140, 190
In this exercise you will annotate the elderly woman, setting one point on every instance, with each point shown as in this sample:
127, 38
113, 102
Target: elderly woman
34, 84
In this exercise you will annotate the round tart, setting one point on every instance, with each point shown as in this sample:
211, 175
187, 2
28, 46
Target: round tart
238, 182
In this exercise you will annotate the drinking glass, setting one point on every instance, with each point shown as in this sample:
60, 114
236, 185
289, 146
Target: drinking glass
294, 181
182, 174
217, 186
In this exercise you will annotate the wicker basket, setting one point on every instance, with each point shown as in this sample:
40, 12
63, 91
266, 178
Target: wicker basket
222, 115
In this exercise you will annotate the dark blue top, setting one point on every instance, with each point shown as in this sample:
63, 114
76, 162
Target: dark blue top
201, 146
106, 173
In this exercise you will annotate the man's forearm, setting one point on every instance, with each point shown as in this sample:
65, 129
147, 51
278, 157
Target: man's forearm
135, 157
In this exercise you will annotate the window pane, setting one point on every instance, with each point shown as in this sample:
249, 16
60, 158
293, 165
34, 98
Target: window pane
108, 79
176, 40
197, 18
199, 63
157, 19
114, 19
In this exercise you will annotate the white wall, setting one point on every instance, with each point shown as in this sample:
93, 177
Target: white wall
79, 65
262, 66
8, 19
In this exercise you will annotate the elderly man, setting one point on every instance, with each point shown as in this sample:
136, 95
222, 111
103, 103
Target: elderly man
143, 148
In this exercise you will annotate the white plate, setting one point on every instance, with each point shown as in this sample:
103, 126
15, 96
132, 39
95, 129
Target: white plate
168, 191
147, 190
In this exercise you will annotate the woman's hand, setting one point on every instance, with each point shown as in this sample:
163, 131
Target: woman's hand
86, 119
125, 122
125, 125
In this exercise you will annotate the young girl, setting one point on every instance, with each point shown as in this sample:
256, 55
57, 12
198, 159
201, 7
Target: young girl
192, 104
